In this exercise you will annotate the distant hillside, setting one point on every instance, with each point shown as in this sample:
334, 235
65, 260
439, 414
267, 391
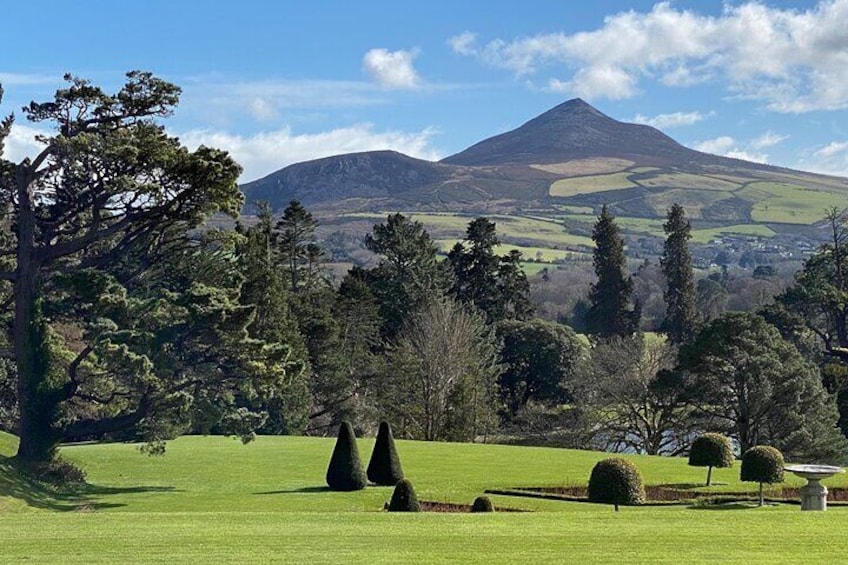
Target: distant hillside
561, 166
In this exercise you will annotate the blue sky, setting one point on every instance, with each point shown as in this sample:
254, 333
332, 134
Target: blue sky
282, 82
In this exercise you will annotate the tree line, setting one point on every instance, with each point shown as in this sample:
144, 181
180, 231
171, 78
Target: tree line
127, 317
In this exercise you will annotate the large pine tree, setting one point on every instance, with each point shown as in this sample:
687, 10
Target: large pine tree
610, 313
495, 285
676, 263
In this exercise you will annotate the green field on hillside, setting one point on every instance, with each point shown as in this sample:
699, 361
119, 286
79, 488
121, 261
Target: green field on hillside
211, 499
589, 184
517, 230
790, 204
707, 235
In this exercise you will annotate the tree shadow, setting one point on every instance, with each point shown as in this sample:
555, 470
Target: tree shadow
723, 506
76, 498
297, 490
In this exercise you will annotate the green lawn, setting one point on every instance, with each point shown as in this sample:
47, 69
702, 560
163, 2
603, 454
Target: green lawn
215, 500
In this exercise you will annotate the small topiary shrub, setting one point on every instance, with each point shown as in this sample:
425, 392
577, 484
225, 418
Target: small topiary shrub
345, 471
616, 481
711, 450
404, 498
384, 467
762, 464
482, 504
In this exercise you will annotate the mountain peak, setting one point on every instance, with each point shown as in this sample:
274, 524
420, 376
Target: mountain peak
572, 130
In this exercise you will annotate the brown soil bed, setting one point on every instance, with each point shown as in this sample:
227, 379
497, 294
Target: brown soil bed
432, 506
670, 494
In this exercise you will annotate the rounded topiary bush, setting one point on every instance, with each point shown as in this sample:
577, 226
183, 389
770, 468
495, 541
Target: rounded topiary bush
616, 481
404, 498
345, 470
482, 504
762, 464
711, 450
384, 467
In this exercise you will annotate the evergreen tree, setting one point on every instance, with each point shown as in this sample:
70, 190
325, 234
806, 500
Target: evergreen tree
747, 379
345, 471
676, 263
408, 275
609, 312
384, 467
264, 288
495, 285
107, 183
300, 256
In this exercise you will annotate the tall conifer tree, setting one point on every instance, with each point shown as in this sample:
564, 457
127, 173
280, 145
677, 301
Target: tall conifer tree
676, 263
610, 313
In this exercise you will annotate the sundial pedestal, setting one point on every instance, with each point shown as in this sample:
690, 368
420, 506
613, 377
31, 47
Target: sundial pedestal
814, 494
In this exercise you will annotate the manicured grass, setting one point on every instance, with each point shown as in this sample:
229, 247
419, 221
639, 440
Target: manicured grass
211, 499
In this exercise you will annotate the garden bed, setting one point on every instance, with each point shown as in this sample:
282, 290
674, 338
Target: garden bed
661, 495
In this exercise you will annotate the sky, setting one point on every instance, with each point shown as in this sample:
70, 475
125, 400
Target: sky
279, 82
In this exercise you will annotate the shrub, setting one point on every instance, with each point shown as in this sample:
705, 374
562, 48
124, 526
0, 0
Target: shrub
404, 498
345, 471
57, 471
482, 504
711, 450
616, 481
762, 464
384, 467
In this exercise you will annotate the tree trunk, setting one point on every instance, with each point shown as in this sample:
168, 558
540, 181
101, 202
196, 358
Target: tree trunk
709, 474
761, 494
38, 438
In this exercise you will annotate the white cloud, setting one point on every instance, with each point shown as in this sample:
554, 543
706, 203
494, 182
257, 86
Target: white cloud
750, 150
21, 143
264, 153
607, 82
791, 60
717, 146
267, 152
768, 139
463, 43
23, 79
666, 121
262, 109
391, 69
832, 159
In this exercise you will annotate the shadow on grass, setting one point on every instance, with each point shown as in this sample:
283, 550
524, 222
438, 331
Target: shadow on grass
76, 498
723, 506
688, 486
297, 490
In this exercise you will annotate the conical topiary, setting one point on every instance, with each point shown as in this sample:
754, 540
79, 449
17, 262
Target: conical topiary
345, 470
404, 498
384, 467
482, 504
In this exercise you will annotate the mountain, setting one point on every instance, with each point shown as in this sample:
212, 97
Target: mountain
562, 165
576, 130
